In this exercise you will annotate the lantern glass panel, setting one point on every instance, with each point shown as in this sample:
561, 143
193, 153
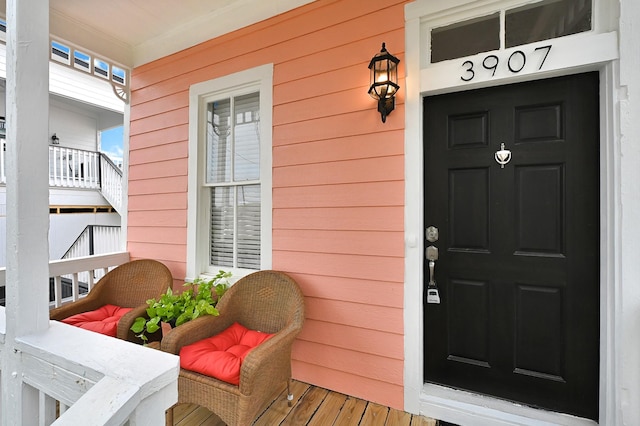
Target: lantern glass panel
383, 72
393, 77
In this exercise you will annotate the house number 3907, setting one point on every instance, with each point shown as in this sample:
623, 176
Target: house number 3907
515, 63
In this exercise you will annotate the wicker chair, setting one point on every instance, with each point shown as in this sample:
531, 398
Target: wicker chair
129, 285
268, 301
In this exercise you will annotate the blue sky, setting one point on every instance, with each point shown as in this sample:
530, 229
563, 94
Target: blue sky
111, 143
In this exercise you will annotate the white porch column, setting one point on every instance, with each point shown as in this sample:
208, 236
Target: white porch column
629, 298
27, 196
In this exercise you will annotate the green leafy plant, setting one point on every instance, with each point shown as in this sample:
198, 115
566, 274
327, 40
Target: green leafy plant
199, 297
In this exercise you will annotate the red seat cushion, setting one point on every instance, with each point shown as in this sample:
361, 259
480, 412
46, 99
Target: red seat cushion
103, 320
221, 356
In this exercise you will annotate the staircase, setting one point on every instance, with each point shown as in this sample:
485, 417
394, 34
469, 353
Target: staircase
93, 240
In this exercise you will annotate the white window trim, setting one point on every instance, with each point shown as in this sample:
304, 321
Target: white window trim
261, 79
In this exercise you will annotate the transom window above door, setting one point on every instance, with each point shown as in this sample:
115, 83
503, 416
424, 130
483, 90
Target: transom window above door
538, 21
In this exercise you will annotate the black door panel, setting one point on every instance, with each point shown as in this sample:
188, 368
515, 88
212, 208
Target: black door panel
518, 266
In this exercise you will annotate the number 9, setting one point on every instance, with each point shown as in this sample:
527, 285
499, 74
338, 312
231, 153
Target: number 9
486, 64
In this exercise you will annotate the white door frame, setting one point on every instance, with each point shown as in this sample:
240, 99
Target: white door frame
423, 79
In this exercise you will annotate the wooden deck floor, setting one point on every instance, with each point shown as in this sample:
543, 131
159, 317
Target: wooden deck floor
311, 406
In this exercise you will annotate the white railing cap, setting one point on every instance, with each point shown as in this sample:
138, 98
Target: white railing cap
71, 347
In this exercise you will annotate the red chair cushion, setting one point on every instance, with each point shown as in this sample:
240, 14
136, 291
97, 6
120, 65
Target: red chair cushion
103, 320
221, 356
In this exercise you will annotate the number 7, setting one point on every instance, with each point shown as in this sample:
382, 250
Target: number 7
548, 47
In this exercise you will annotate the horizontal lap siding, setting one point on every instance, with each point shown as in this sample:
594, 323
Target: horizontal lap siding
367, 243
338, 180
381, 293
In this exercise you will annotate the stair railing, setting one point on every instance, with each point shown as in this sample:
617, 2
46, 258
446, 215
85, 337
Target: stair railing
111, 182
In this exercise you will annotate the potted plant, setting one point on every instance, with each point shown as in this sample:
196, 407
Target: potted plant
200, 297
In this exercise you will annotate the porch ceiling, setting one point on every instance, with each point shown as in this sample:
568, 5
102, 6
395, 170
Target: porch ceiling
133, 32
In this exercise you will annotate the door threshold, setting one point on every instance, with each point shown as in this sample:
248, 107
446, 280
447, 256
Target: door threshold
468, 408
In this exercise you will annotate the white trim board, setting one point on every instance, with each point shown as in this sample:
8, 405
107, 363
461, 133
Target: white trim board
425, 80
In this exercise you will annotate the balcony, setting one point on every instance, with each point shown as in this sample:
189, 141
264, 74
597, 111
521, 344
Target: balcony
72, 168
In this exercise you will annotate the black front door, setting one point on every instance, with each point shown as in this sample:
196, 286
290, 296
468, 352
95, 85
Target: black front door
518, 242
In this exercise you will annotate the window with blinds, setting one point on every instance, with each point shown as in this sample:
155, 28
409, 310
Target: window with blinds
233, 179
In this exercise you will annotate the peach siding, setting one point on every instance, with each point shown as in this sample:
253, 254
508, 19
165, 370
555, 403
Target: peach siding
338, 180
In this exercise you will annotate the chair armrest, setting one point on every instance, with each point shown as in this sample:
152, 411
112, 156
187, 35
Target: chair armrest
268, 363
127, 320
83, 305
193, 331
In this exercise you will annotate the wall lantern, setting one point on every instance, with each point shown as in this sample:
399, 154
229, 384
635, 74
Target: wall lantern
384, 81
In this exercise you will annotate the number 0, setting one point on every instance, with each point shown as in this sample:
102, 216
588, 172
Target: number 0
523, 58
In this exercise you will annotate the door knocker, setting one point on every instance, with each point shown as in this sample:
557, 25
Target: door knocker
503, 156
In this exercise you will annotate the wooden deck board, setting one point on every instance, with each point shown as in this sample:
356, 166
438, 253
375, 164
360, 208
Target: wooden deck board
328, 410
375, 415
306, 407
279, 409
398, 418
311, 406
351, 412
422, 421
200, 417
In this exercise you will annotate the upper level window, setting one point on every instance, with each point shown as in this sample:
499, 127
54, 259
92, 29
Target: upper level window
538, 21
229, 224
67, 54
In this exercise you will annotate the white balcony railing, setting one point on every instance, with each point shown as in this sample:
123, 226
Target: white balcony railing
88, 378
73, 168
80, 273
77, 168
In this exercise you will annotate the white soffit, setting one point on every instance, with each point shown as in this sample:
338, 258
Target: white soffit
236, 15
135, 32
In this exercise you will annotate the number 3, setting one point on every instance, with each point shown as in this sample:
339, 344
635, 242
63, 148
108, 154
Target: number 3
469, 70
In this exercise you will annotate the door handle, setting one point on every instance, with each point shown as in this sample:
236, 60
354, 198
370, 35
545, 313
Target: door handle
433, 296
432, 256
